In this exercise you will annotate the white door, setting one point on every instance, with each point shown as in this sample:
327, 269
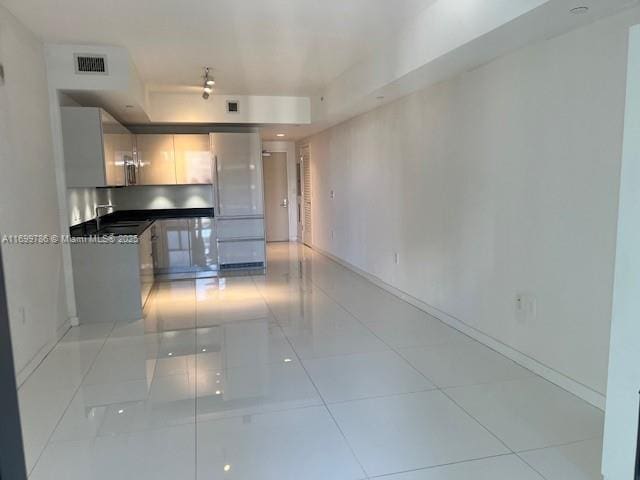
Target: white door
305, 160
275, 197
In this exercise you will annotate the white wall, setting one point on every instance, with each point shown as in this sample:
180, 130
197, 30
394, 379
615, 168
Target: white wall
501, 181
621, 421
290, 149
28, 198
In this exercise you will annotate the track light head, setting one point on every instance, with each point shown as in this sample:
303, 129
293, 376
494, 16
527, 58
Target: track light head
209, 82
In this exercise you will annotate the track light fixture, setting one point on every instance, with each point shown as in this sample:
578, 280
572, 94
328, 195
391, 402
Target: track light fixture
209, 82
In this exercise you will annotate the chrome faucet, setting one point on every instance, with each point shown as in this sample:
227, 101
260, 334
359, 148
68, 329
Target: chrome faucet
97, 211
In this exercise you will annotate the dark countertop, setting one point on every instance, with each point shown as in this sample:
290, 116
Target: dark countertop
134, 222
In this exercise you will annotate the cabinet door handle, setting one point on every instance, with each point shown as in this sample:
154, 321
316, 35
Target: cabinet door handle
215, 161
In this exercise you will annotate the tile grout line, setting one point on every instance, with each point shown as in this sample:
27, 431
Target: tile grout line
195, 400
326, 407
75, 392
385, 475
530, 466
559, 445
520, 452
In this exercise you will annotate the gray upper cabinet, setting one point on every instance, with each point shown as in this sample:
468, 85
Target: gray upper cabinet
193, 159
238, 160
96, 148
156, 159
166, 159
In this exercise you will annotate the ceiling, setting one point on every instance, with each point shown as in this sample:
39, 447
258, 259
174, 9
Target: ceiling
260, 47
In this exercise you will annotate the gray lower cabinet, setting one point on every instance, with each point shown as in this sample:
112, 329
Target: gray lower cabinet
245, 253
204, 253
170, 242
112, 280
184, 246
240, 242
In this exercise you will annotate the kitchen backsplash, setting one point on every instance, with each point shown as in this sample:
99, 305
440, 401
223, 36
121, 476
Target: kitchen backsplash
82, 201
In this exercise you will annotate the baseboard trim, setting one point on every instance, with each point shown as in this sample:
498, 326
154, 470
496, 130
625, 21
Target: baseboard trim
30, 367
572, 386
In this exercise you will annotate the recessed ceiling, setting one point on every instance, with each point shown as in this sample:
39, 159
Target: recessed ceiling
262, 47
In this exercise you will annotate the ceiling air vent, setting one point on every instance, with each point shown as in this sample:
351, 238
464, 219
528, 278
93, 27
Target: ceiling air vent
233, 106
96, 64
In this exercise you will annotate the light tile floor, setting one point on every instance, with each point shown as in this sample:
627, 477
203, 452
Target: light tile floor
307, 372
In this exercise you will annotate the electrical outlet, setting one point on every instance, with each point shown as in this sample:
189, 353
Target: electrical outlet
333, 234
332, 194
22, 311
396, 258
526, 307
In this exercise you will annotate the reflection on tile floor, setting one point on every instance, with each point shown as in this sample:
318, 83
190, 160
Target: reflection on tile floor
307, 372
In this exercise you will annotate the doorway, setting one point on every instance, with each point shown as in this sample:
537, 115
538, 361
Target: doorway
276, 200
